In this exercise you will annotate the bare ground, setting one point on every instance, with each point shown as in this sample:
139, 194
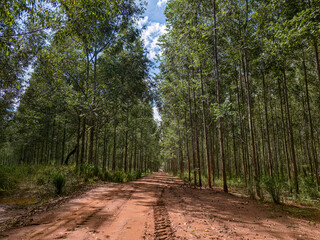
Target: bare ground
163, 207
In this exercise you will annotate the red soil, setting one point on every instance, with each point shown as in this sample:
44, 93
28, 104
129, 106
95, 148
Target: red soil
162, 207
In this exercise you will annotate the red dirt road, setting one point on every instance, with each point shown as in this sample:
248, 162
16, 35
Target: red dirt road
162, 207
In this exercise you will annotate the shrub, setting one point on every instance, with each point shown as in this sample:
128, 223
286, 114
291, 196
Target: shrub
274, 187
308, 187
87, 171
7, 181
121, 176
59, 181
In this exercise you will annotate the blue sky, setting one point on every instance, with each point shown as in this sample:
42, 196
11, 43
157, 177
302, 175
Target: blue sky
154, 23
155, 10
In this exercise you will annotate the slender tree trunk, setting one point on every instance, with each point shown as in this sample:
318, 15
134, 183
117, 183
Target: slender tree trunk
285, 136
212, 132
96, 150
78, 143
126, 140
256, 177
52, 140
205, 131
63, 142
93, 124
269, 154
83, 134
235, 161
220, 125
197, 137
114, 145
105, 150
291, 138
192, 133
316, 55
135, 153
313, 146
244, 155
187, 147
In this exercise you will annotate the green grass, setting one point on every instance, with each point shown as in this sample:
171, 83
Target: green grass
121, 176
274, 189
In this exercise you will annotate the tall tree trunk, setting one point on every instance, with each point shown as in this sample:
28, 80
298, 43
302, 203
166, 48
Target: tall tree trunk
316, 55
220, 125
256, 177
93, 124
212, 134
52, 140
96, 150
192, 133
205, 131
114, 144
78, 143
291, 138
126, 139
187, 147
63, 142
313, 146
105, 150
83, 143
243, 153
285, 134
196, 135
135, 153
269, 154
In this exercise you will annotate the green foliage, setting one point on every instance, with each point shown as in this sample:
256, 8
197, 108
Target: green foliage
87, 171
309, 188
7, 179
59, 181
121, 176
274, 187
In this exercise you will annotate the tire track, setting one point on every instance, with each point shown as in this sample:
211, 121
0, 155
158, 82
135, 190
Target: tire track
86, 211
162, 223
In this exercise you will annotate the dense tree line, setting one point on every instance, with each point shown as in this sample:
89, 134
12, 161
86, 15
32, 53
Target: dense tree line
240, 92
89, 98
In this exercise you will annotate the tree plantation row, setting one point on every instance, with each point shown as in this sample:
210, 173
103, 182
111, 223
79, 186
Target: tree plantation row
238, 91
89, 98
240, 85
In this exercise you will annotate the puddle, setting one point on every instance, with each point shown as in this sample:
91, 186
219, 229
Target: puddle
19, 201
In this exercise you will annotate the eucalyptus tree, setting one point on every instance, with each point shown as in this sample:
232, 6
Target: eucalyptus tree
264, 54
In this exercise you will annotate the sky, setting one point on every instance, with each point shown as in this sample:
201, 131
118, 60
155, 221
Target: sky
154, 23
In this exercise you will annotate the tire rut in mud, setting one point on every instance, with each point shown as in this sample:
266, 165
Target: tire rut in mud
162, 223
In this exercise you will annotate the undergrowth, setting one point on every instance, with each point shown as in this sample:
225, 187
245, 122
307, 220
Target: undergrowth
276, 189
52, 180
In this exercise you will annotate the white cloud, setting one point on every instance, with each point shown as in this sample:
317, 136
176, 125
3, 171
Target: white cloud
160, 2
142, 21
151, 35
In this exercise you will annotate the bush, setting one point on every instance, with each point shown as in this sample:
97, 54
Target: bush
7, 180
308, 187
274, 187
121, 176
88, 171
59, 181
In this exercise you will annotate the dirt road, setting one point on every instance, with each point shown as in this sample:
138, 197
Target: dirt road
162, 207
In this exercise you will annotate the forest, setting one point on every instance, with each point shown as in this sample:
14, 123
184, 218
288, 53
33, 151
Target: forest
237, 90
88, 100
239, 85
